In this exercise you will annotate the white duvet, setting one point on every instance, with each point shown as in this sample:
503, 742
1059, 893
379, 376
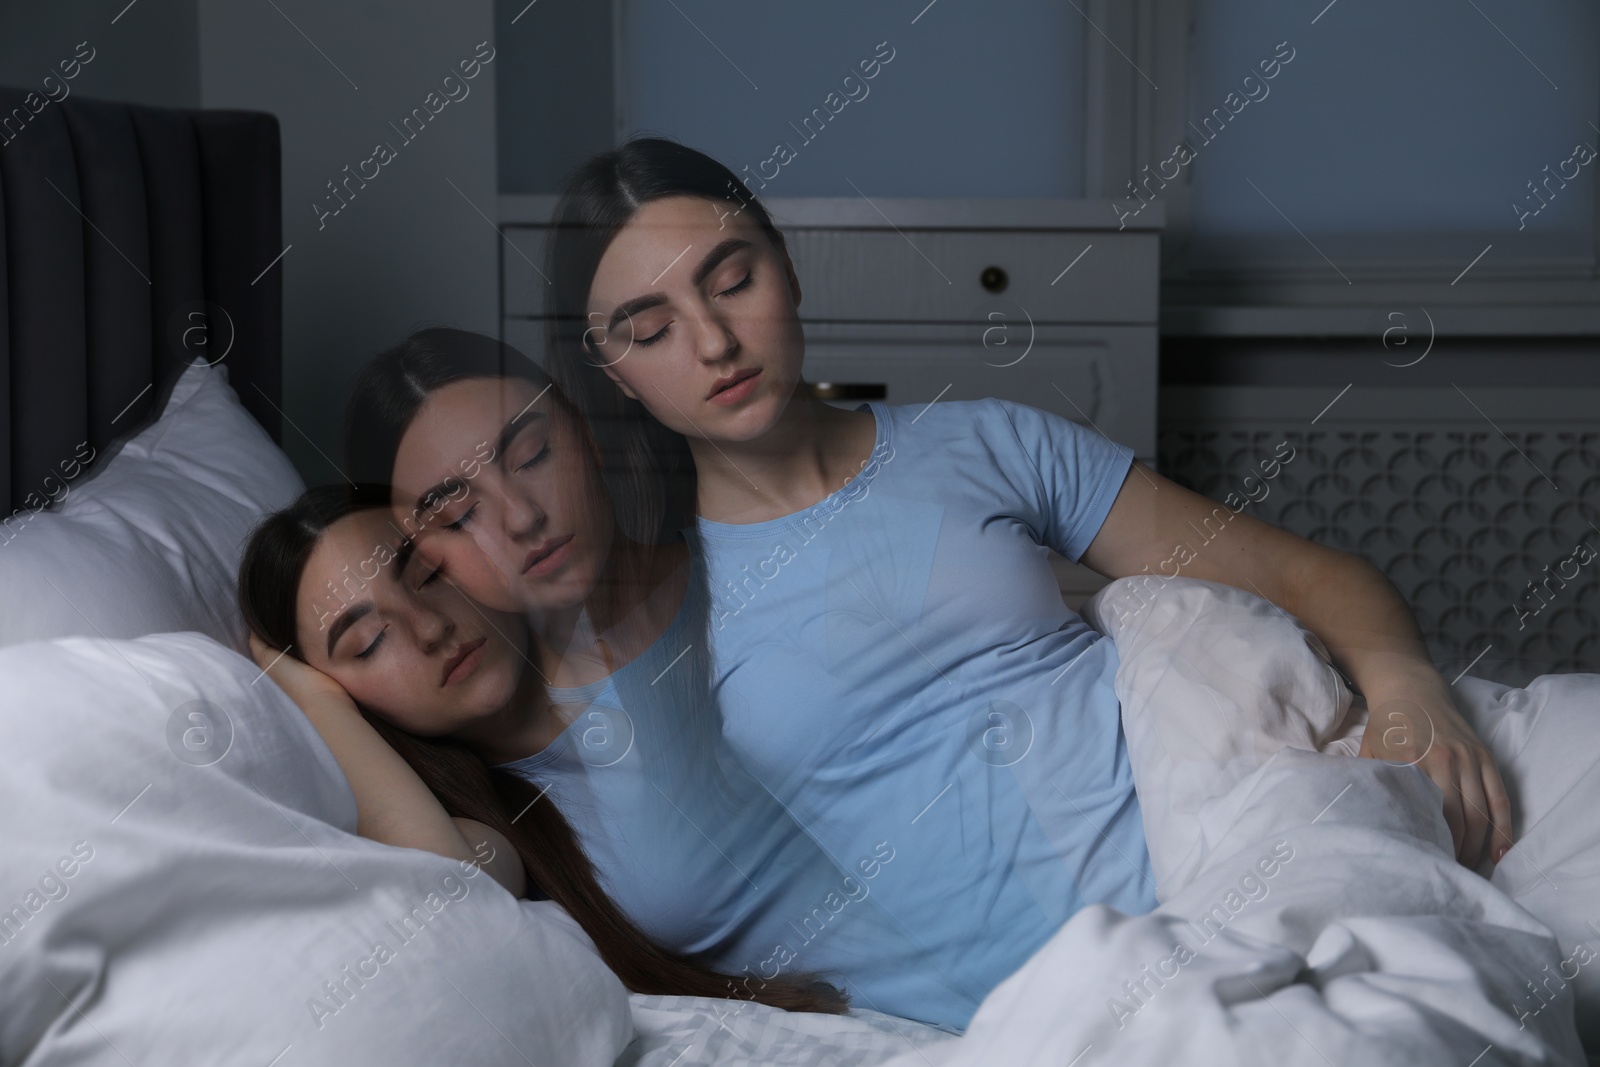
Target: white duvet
1313, 912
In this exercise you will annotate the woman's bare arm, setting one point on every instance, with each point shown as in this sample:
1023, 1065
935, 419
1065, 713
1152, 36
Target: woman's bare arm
495, 854
1158, 527
392, 803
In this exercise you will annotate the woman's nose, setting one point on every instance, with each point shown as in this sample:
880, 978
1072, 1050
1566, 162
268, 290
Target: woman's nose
433, 628
714, 338
522, 513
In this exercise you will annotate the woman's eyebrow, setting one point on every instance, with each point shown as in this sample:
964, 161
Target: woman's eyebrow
717, 255
709, 263
509, 431
347, 619
628, 308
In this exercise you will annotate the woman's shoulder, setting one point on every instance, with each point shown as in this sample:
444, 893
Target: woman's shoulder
990, 419
986, 419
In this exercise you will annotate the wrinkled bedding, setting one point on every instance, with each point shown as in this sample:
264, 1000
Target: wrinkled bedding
1312, 909
679, 1031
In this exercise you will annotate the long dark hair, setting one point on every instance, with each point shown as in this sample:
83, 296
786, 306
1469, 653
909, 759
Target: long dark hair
469, 788
599, 198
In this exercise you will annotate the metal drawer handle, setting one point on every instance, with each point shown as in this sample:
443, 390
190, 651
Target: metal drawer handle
849, 390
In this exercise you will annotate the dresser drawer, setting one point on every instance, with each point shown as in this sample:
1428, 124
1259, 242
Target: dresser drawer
940, 275
928, 275
1099, 376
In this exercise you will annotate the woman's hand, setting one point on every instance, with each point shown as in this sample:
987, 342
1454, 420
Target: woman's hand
1414, 722
304, 684
393, 805
1356, 611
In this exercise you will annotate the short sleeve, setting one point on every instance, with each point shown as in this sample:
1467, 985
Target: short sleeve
1079, 472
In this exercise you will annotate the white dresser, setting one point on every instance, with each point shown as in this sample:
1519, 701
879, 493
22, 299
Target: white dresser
1045, 302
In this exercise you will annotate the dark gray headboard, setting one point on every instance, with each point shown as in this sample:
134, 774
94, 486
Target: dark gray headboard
134, 239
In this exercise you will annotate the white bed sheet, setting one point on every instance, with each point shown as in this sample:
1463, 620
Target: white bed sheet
680, 1031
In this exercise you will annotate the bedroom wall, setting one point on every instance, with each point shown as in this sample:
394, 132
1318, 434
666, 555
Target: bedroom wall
553, 90
362, 90
147, 53
953, 108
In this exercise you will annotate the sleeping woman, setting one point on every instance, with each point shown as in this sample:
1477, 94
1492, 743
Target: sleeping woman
891, 655
420, 695
595, 734
498, 489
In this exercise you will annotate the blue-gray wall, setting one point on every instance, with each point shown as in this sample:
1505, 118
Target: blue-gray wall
977, 101
409, 248
150, 55
1424, 118
554, 88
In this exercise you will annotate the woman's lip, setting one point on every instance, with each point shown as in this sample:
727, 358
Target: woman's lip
464, 662
541, 565
743, 385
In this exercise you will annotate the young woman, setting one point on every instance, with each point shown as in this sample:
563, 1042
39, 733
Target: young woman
496, 483
495, 476
420, 695
889, 648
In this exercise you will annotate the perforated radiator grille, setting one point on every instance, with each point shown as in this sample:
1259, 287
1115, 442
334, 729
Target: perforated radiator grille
1486, 524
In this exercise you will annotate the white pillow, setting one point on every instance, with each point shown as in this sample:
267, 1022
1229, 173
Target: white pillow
150, 541
180, 877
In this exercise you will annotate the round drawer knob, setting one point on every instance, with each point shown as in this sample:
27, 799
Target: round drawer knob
993, 279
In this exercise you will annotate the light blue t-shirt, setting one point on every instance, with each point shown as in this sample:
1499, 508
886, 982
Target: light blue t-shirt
696, 851
896, 664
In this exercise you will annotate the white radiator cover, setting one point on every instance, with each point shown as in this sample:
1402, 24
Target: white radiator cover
1461, 496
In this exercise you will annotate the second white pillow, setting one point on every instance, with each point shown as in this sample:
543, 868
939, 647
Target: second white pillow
150, 540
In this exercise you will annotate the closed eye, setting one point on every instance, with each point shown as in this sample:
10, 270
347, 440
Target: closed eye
462, 521
543, 452
367, 652
653, 338
732, 290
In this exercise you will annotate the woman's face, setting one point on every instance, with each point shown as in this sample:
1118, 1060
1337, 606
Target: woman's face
692, 312
497, 484
402, 643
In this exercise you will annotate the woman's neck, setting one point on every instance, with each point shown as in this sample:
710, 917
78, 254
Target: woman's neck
630, 608
525, 726
641, 593
812, 451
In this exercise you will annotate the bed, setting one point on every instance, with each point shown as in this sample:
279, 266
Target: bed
181, 880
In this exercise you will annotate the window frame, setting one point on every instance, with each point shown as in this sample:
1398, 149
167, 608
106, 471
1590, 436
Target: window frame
1131, 124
